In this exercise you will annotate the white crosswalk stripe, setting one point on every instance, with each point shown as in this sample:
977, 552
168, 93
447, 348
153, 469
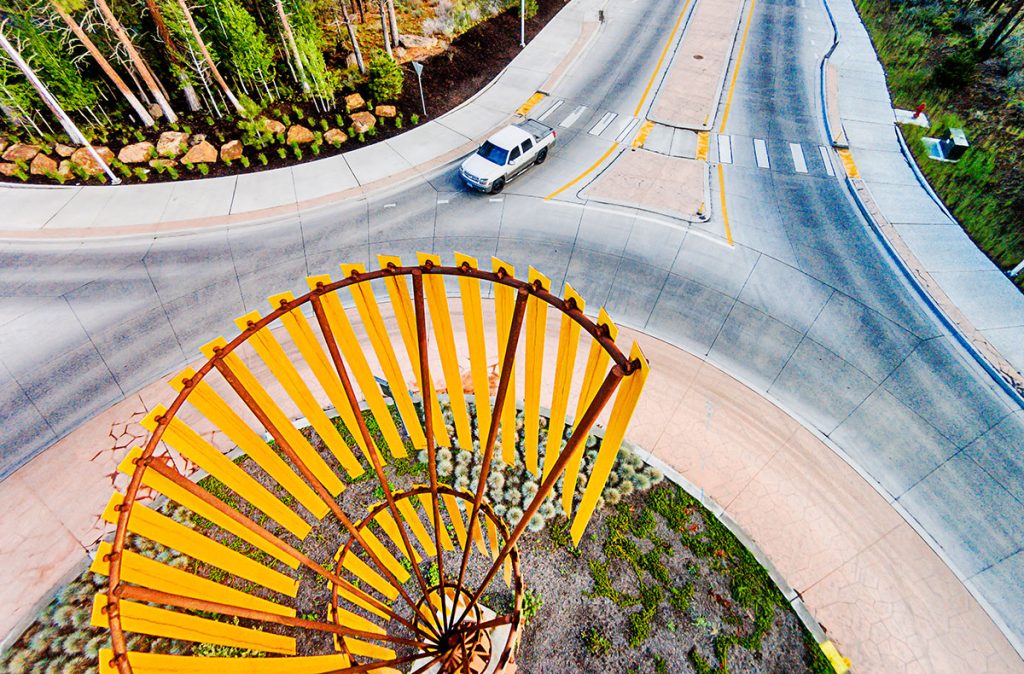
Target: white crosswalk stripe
623, 127
554, 106
607, 119
798, 157
761, 154
826, 160
573, 117
724, 149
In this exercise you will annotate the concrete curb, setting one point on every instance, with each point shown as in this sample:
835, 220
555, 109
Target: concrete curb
1009, 388
833, 138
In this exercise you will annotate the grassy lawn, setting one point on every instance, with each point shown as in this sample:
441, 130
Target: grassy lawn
929, 51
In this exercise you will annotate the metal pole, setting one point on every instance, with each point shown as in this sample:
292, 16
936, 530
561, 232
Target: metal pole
522, 23
51, 102
418, 67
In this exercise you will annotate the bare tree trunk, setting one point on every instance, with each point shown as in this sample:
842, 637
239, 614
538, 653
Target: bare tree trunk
290, 39
137, 60
172, 54
393, 21
353, 38
999, 33
384, 25
209, 60
104, 65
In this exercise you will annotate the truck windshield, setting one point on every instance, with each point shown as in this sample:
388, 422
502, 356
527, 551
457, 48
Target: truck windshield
493, 153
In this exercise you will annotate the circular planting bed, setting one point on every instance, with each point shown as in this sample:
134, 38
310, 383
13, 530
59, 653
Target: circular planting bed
657, 584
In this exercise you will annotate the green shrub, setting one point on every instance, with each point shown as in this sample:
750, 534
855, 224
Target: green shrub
141, 174
385, 77
262, 159
956, 70
244, 161
414, 118
595, 642
203, 169
532, 603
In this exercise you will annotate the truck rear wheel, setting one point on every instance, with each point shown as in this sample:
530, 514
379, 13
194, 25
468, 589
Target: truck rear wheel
541, 156
498, 186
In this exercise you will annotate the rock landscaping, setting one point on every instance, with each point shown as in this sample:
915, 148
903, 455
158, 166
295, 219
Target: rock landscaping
462, 48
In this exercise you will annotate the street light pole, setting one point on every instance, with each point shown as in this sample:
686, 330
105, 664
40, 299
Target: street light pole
418, 67
522, 23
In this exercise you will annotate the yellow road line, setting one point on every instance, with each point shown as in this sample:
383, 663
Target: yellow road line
736, 70
664, 51
582, 175
848, 163
725, 214
703, 140
525, 108
641, 135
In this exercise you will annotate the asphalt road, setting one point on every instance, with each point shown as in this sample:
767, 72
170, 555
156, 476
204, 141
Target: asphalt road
805, 307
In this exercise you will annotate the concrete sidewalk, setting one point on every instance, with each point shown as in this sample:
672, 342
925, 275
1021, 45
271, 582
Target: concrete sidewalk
974, 294
67, 212
886, 599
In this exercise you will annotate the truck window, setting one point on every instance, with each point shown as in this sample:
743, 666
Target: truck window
493, 153
515, 154
527, 145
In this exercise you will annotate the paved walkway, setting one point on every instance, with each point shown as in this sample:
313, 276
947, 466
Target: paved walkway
75, 211
884, 597
974, 293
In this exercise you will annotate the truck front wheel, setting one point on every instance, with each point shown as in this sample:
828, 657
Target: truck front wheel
498, 186
541, 156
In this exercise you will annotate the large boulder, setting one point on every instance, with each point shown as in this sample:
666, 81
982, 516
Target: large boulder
21, 151
196, 139
8, 169
363, 122
385, 111
417, 41
83, 158
136, 153
272, 125
300, 134
42, 165
335, 136
231, 150
170, 142
354, 102
155, 111
64, 169
204, 153
156, 163
63, 150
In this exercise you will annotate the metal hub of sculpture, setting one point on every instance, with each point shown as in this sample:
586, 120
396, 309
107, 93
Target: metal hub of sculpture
383, 612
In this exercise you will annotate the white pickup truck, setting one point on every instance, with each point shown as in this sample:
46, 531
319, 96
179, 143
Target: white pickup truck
506, 154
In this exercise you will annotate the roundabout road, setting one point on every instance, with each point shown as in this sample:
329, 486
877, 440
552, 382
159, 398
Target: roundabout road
805, 307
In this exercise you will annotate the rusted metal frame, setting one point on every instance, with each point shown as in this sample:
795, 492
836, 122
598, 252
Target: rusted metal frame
371, 666
516, 615
568, 307
314, 482
180, 480
572, 448
371, 450
512, 343
428, 423
170, 599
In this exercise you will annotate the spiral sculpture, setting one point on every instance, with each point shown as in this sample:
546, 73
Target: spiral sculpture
387, 611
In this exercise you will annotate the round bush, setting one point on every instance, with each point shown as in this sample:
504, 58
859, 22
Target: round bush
536, 523
513, 515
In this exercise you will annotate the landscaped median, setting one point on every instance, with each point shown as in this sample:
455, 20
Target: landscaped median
280, 124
